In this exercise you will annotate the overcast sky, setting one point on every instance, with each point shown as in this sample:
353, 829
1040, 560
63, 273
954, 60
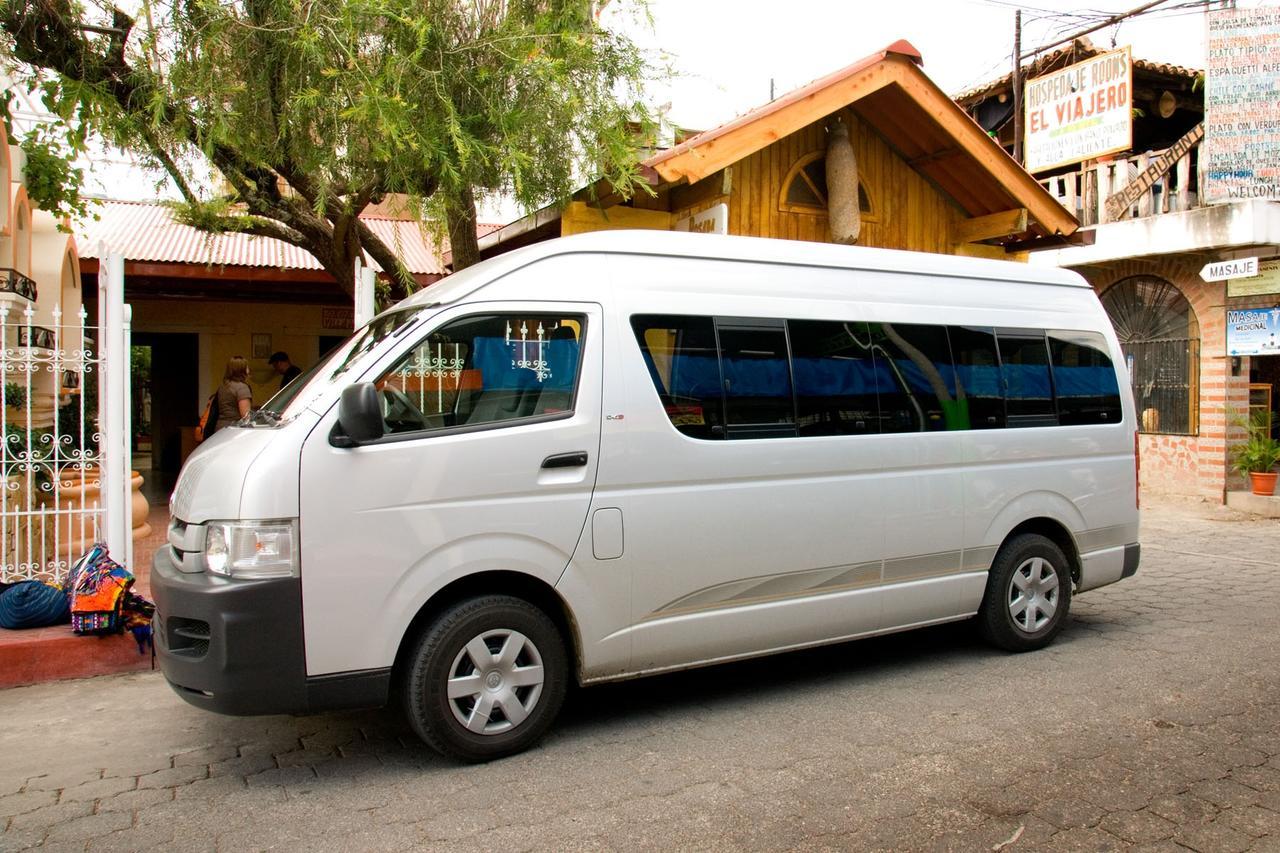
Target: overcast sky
725, 52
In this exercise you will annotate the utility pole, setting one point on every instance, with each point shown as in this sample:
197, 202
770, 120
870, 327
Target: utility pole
1017, 86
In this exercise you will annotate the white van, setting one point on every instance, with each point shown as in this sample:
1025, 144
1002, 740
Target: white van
626, 453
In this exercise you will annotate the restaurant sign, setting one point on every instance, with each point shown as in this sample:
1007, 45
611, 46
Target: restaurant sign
1240, 157
1080, 112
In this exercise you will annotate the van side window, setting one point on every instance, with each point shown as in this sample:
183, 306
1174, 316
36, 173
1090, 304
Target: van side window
757, 379
485, 369
1084, 378
835, 378
1028, 389
915, 379
680, 354
978, 375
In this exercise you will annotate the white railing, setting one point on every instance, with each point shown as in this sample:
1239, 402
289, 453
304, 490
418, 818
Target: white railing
1085, 191
50, 486
64, 483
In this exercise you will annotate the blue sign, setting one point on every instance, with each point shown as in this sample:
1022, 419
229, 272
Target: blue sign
1253, 331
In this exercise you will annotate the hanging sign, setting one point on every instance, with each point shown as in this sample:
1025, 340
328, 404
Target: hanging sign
1080, 112
1223, 270
713, 220
1267, 281
1253, 331
1240, 157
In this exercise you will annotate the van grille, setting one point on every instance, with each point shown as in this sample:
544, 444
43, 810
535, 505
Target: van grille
187, 637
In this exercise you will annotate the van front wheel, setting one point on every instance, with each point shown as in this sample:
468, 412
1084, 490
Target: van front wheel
1028, 594
486, 679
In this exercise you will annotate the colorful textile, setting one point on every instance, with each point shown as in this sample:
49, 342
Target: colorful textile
32, 604
102, 601
98, 594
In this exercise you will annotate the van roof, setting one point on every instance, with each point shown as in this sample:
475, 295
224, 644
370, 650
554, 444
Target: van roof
677, 244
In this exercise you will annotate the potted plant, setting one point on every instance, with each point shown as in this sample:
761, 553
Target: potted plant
1258, 454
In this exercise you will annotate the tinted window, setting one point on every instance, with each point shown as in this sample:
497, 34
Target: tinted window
1028, 389
914, 378
757, 380
1084, 378
979, 390
834, 378
680, 353
484, 369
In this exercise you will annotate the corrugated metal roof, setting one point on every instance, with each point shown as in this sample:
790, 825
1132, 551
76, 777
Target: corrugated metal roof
148, 232
1078, 51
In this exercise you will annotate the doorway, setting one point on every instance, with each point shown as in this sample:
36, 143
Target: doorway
1264, 388
165, 404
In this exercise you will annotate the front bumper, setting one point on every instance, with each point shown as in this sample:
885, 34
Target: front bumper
236, 647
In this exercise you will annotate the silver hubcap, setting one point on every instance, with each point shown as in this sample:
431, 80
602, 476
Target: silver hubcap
1033, 595
495, 681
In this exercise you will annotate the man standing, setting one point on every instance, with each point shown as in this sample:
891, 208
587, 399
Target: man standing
287, 369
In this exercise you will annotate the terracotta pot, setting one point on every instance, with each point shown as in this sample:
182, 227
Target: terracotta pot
1263, 484
80, 488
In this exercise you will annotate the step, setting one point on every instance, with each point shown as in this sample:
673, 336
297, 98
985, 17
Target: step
51, 654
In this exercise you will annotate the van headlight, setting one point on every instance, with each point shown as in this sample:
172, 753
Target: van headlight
251, 550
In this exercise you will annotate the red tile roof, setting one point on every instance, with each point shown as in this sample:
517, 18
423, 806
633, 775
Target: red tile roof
148, 232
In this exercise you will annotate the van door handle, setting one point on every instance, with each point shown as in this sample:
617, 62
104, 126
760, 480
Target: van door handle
566, 460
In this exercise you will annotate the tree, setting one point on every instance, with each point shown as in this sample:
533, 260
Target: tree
311, 110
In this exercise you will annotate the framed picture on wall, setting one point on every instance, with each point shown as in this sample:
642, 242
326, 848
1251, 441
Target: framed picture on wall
261, 345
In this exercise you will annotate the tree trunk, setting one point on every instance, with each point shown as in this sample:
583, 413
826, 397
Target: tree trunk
462, 232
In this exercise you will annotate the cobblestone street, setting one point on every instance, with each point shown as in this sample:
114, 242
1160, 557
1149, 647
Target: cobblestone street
1153, 723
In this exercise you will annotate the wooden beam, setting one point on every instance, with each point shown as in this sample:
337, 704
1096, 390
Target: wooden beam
991, 226
1077, 238
695, 163
579, 217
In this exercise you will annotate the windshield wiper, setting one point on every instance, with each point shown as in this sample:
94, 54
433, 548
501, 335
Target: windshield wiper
265, 417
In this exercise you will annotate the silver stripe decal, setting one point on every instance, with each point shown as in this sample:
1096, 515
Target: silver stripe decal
1106, 537
766, 587
829, 579
979, 559
924, 566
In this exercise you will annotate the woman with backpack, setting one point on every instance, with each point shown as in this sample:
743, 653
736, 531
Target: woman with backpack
230, 402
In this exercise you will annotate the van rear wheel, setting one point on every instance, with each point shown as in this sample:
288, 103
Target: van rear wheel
1028, 594
486, 679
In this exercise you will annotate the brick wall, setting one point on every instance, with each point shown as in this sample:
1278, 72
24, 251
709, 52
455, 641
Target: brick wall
1193, 464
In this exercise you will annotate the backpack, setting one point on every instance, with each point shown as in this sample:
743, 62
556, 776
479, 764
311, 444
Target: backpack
209, 420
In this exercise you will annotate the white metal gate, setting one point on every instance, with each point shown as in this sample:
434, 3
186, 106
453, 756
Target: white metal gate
62, 487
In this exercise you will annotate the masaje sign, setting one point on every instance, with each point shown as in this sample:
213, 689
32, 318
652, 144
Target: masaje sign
1080, 112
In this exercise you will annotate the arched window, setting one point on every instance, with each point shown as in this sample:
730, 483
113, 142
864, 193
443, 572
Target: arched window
1160, 337
804, 190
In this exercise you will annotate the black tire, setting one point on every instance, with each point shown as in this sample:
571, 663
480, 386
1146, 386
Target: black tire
1029, 629
442, 652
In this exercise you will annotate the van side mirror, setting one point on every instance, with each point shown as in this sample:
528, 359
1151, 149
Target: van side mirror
359, 416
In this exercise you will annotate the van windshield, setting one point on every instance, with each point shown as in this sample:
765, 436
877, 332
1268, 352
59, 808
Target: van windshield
350, 357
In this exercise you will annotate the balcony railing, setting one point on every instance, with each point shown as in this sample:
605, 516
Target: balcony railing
1174, 186
12, 281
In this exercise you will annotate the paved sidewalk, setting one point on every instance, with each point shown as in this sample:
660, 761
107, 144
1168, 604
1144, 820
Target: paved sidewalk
1153, 723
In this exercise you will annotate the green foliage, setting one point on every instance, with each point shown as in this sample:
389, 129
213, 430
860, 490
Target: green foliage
311, 110
1259, 452
53, 182
15, 396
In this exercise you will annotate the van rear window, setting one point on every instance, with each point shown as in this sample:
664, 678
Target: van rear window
735, 378
1084, 378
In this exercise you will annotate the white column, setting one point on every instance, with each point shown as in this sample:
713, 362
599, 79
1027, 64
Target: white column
126, 434
113, 414
366, 282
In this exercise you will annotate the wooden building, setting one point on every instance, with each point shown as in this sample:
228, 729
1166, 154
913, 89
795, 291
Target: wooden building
929, 178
